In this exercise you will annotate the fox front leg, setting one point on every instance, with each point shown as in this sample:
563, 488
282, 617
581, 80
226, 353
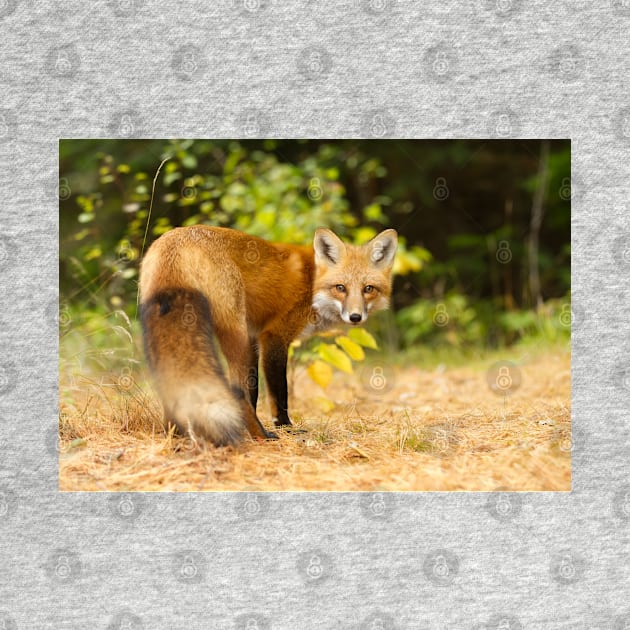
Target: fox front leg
275, 351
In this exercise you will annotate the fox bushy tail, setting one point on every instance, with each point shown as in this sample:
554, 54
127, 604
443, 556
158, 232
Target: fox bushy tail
179, 346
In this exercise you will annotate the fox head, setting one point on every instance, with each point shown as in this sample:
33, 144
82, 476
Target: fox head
352, 281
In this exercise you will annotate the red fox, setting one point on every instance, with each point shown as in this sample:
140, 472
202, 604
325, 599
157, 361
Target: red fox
201, 282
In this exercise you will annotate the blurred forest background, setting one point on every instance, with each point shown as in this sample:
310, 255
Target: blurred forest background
484, 225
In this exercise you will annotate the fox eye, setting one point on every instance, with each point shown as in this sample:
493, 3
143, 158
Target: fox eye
368, 289
340, 288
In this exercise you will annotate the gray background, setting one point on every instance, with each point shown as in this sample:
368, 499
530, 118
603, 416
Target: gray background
314, 69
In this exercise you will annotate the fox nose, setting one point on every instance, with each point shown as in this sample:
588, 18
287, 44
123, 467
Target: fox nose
355, 318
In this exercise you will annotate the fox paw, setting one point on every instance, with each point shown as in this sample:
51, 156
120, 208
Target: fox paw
282, 422
289, 428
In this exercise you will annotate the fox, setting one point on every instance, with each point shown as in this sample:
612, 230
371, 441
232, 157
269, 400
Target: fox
202, 284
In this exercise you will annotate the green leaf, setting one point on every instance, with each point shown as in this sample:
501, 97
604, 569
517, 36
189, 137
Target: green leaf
169, 178
364, 234
354, 350
363, 338
373, 212
189, 161
336, 357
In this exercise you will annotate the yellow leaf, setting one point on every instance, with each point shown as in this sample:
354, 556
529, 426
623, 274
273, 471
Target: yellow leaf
95, 252
320, 372
323, 403
363, 338
336, 357
354, 350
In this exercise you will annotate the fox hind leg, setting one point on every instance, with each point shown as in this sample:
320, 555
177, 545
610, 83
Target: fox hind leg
237, 349
252, 373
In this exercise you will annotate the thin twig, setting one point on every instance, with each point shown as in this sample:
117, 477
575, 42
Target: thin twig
146, 229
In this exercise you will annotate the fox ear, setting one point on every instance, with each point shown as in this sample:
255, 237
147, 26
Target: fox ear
328, 247
382, 249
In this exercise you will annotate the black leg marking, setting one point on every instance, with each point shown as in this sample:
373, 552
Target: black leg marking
275, 365
252, 373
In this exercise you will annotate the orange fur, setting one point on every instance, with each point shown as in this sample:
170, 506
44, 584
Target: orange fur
201, 282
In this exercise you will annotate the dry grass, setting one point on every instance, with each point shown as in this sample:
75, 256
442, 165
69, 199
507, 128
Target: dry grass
438, 430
